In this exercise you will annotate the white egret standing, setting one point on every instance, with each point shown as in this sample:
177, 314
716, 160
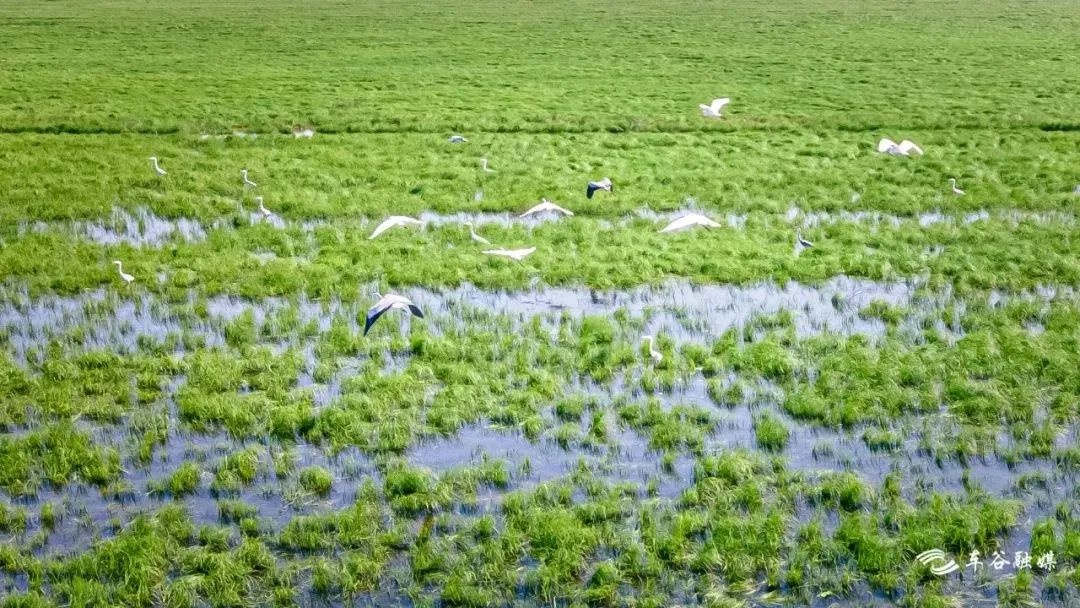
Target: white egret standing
157, 167
513, 254
713, 110
484, 166
603, 184
457, 139
476, 237
389, 302
656, 355
689, 221
125, 277
546, 205
247, 182
955, 190
394, 221
262, 208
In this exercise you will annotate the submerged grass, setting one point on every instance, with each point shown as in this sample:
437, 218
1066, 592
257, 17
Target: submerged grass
190, 443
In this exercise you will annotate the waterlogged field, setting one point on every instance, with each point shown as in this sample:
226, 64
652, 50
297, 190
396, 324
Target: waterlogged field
221, 432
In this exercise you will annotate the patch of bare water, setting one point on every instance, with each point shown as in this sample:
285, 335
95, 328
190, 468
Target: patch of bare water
144, 228
811, 450
679, 310
138, 228
809, 219
86, 514
689, 312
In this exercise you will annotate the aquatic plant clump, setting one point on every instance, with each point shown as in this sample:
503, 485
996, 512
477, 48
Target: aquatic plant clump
633, 352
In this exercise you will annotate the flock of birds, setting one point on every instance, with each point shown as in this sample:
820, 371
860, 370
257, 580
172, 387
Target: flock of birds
388, 302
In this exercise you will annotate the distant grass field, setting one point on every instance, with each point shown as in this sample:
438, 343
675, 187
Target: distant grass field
222, 434
536, 66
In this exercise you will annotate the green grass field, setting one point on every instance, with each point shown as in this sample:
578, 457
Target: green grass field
221, 432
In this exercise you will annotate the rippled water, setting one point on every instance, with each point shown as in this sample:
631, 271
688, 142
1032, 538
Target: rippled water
679, 310
143, 228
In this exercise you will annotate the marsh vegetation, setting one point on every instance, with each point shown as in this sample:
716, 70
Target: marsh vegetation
220, 433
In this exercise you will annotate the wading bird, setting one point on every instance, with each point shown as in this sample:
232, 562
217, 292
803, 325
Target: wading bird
457, 139
801, 241
305, 132
689, 221
484, 166
389, 302
546, 205
262, 208
603, 184
904, 148
247, 182
125, 277
713, 110
157, 167
955, 190
476, 237
656, 355
513, 254
392, 222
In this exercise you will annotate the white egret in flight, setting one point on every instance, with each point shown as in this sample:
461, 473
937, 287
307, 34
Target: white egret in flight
247, 182
603, 184
546, 205
389, 302
513, 254
157, 167
476, 237
457, 139
713, 110
656, 355
904, 148
689, 221
394, 221
955, 190
125, 277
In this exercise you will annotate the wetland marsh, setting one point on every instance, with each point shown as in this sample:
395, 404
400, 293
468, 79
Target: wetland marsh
221, 432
